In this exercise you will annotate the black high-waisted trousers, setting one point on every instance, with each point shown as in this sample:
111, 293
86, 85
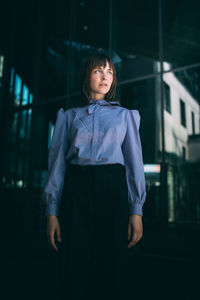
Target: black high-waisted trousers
94, 213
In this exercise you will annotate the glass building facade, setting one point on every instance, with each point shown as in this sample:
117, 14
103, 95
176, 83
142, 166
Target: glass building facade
155, 48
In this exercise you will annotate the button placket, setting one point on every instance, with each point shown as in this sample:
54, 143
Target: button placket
95, 136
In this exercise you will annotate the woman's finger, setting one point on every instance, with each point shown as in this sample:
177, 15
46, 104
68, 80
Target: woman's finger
52, 229
58, 234
129, 231
137, 235
52, 240
134, 240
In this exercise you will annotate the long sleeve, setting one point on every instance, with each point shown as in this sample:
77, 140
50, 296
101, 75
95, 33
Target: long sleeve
133, 161
56, 165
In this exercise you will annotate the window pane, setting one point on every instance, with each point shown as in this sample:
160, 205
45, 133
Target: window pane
93, 23
182, 146
167, 97
18, 155
1, 65
50, 133
30, 98
29, 123
135, 38
89, 21
182, 113
181, 32
143, 96
17, 93
25, 95
193, 122
12, 79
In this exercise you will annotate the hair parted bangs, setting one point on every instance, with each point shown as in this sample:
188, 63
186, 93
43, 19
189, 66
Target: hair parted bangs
93, 61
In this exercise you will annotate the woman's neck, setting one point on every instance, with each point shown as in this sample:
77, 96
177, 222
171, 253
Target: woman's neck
97, 96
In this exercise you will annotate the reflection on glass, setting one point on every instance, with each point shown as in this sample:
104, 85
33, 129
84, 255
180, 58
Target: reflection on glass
19, 183
19, 149
177, 127
90, 28
25, 95
20, 163
23, 125
1, 65
193, 122
167, 97
181, 134
135, 37
14, 128
50, 133
132, 66
181, 32
12, 79
29, 122
183, 153
30, 98
166, 66
18, 86
20, 90
131, 37
25, 183
181, 129
131, 41
182, 112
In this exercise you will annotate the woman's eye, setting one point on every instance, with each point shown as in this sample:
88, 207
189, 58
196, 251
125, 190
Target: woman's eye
96, 71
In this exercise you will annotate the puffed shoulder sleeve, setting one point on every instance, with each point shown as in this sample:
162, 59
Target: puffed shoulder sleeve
52, 190
133, 160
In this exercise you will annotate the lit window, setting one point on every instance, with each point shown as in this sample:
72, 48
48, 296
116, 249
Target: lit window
182, 113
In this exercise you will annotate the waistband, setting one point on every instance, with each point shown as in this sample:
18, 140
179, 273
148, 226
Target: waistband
93, 167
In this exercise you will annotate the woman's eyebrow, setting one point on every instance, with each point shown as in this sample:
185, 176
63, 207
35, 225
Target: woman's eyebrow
103, 68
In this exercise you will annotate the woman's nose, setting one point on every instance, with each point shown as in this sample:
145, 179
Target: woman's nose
104, 76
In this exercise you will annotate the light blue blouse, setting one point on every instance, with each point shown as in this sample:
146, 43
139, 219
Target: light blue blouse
99, 133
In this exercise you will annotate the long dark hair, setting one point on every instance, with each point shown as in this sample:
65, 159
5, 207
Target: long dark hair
89, 64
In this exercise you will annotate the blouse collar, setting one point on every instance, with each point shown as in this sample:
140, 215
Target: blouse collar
94, 104
101, 101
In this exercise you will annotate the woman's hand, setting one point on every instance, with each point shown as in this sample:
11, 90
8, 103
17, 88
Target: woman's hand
135, 229
53, 227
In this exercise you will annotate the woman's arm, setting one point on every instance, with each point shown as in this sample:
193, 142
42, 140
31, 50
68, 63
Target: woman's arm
56, 165
132, 152
55, 177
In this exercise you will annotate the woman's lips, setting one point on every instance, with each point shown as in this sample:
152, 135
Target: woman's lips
103, 84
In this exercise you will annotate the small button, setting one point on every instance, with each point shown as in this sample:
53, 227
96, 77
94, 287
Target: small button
103, 159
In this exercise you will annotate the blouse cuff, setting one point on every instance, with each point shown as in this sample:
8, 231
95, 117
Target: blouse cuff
51, 206
136, 209
51, 211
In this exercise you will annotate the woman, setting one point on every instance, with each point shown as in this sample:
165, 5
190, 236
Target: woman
95, 188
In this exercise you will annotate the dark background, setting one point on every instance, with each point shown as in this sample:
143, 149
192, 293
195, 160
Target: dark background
42, 46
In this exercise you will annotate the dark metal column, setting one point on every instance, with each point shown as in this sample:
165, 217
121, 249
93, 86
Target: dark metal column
37, 118
164, 198
110, 36
70, 59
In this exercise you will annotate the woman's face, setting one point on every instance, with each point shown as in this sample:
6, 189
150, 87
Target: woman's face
100, 81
